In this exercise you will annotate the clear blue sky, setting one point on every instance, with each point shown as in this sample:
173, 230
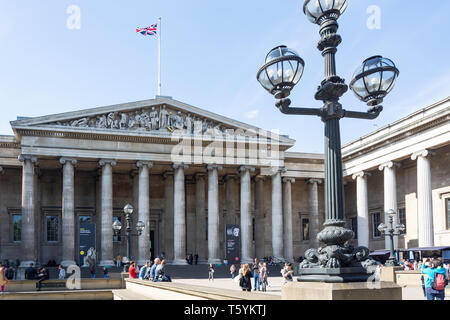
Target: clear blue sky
211, 53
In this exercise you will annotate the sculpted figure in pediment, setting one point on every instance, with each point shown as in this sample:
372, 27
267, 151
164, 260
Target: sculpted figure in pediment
134, 120
123, 123
101, 121
178, 121
112, 121
163, 118
154, 119
188, 123
145, 120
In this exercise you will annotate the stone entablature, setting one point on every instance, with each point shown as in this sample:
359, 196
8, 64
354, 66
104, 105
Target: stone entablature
428, 128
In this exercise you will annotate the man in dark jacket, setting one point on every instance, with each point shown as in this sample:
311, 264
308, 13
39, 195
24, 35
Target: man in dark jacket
43, 275
30, 272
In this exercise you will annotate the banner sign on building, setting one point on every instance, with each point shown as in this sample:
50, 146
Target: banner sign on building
233, 243
86, 239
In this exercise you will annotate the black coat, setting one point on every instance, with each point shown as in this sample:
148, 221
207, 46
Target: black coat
245, 281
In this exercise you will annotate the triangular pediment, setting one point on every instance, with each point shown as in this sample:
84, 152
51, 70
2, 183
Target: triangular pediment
161, 116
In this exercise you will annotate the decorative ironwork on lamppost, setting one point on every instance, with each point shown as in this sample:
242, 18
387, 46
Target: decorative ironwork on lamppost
390, 230
336, 261
117, 226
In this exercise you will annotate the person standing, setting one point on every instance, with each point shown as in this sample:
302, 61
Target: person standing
233, 271
211, 272
245, 282
30, 272
118, 261
132, 270
256, 279
3, 280
263, 273
61, 273
196, 258
436, 280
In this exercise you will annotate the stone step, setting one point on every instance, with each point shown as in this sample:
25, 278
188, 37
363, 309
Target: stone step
125, 294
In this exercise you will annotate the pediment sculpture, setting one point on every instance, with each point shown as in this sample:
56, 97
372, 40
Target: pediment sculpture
147, 119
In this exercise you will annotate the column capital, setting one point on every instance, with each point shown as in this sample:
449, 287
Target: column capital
314, 180
288, 179
389, 164
103, 162
199, 175
361, 174
213, 166
31, 158
180, 165
275, 170
167, 174
245, 168
134, 173
422, 153
260, 178
230, 177
141, 164
65, 160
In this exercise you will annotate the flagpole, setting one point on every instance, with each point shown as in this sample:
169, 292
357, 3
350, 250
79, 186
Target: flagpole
159, 57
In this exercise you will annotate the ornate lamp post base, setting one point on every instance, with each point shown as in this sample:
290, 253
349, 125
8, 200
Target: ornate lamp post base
333, 275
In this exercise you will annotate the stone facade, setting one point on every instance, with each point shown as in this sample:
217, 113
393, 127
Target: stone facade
58, 170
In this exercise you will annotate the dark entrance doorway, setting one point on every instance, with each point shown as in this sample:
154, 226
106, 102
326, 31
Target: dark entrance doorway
152, 245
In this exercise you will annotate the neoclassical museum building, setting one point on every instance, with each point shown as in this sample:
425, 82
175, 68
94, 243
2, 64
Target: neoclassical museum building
189, 173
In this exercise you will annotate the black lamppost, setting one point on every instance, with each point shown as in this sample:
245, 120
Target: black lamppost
372, 81
390, 230
117, 226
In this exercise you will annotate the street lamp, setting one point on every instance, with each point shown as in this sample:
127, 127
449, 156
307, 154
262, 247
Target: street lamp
117, 226
372, 81
391, 231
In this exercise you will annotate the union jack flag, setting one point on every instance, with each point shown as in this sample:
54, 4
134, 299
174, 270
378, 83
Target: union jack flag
151, 31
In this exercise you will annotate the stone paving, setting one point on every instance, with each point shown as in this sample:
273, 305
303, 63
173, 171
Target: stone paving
275, 284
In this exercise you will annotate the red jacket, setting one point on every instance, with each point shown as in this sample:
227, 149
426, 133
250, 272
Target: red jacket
132, 272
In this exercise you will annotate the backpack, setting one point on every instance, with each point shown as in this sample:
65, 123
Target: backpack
438, 282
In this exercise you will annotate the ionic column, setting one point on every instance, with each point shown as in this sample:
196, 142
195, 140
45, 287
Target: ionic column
246, 217
144, 211
200, 233
424, 198
390, 196
259, 217
107, 212
313, 206
277, 216
68, 212
362, 207
232, 198
287, 219
29, 254
168, 218
213, 214
179, 212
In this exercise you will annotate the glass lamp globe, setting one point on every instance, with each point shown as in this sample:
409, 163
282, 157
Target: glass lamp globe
117, 226
281, 71
319, 10
382, 227
140, 226
128, 209
374, 79
400, 227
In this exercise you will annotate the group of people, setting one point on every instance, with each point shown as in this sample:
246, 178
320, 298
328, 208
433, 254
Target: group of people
258, 271
190, 259
154, 271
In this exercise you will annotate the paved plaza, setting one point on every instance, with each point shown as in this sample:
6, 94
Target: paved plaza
275, 284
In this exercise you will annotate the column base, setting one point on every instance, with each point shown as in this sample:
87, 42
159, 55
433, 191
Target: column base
215, 261
341, 291
26, 264
104, 263
179, 262
67, 263
333, 275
